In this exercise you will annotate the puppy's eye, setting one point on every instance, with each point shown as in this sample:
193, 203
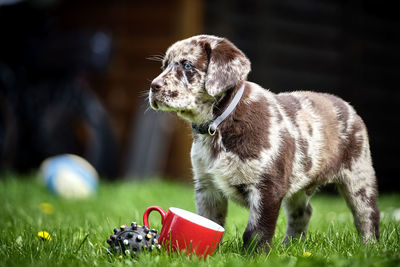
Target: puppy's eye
187, 66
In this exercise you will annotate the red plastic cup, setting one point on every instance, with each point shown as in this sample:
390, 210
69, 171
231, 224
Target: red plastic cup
183, 230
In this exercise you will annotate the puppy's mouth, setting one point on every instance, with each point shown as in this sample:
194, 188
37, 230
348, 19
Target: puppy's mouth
184, 113
154, 104
159, 105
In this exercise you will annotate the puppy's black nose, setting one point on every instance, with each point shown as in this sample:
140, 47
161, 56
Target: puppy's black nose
156, 85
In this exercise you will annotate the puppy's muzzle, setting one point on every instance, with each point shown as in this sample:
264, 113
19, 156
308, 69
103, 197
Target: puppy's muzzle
155, 87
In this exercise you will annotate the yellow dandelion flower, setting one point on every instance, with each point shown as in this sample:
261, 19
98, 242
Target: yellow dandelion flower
44, 236
46, 208
306, 254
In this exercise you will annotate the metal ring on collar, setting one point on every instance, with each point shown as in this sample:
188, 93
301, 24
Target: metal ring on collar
211, 130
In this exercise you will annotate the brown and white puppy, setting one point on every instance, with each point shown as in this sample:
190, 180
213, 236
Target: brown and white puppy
272, 148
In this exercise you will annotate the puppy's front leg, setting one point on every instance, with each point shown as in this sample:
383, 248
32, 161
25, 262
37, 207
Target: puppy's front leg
264, 210
211, 203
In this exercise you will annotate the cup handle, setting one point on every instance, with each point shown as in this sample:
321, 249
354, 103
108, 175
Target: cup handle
147, 213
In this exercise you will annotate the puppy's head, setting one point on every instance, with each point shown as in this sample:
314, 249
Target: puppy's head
196, 71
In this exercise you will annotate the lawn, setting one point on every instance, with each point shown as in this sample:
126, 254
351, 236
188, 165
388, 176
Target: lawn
80, 228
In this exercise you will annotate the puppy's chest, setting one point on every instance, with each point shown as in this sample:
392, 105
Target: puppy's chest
225, 169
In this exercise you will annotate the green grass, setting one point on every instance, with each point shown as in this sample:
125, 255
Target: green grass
80, 228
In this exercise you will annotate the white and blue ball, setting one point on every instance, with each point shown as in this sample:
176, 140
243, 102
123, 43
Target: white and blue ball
69, 176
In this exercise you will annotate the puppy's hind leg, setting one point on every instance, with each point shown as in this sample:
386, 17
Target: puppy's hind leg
359, 190
298, 213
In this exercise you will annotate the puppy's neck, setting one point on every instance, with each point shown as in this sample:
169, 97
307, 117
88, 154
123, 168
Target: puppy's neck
220, 110
225, 99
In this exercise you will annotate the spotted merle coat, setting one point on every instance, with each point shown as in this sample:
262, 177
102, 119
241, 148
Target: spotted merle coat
272, 149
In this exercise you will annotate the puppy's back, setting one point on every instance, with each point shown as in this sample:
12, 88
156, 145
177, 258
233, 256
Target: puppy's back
330, 135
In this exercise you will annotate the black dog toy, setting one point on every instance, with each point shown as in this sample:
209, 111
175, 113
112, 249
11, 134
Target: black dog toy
132, 240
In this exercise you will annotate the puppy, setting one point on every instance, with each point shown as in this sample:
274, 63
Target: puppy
262, 149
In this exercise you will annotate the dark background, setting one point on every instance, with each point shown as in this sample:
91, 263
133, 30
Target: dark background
74, 74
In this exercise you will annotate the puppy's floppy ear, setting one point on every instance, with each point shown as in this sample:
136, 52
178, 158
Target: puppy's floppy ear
226, 68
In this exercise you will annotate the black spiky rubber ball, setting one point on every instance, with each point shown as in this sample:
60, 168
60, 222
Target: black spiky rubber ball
131, 240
